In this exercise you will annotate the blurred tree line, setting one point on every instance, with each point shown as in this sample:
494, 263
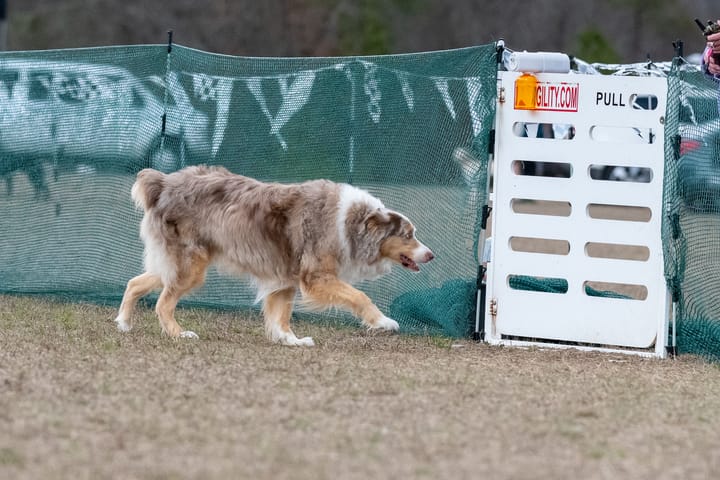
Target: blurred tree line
594, 30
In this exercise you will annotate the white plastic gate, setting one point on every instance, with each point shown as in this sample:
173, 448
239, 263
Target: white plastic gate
550, 229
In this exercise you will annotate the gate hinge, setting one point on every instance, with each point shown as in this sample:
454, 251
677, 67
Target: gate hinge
479, 333
486, 209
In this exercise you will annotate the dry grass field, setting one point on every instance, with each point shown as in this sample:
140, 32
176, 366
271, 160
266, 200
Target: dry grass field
80, 400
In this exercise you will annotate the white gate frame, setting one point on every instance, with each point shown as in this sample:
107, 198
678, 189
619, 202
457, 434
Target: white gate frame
575, 319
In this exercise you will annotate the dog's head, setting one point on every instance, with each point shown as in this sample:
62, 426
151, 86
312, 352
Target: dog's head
395, 235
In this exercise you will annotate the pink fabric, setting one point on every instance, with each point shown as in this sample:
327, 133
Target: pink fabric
706, 59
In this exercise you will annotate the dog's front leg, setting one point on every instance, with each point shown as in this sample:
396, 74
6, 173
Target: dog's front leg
277, 309
325, 291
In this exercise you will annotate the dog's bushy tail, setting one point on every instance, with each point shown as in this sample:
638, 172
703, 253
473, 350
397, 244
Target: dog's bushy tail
147, 188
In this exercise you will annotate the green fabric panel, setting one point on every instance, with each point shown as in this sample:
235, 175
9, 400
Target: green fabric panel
76, 125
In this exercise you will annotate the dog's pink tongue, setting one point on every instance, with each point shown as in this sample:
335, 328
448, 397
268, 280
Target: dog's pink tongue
409, 263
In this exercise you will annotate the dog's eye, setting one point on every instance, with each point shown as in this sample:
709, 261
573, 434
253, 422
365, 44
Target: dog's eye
408, 236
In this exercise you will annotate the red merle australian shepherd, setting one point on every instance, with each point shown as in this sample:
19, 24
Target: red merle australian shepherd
318, 237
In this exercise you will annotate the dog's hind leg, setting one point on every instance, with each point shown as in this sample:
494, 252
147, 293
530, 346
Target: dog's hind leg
277, 309
325, 291
136, 288
192, 276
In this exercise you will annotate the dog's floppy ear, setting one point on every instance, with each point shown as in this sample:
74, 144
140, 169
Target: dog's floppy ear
375, 220
383, 221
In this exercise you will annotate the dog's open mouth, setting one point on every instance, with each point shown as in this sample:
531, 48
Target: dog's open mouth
409, 263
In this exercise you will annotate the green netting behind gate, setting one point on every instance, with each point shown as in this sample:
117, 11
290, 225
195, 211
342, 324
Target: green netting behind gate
76, 125
691, 226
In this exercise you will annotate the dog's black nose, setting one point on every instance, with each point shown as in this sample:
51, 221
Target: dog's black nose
429, 256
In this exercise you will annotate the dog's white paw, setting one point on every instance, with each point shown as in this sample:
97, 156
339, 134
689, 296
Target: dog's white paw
188, 334
385, 323
305, 342
122, 324
277, 335
292, 341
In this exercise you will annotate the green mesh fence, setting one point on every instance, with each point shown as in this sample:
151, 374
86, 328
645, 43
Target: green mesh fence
76, 125
691, 226
555, 285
